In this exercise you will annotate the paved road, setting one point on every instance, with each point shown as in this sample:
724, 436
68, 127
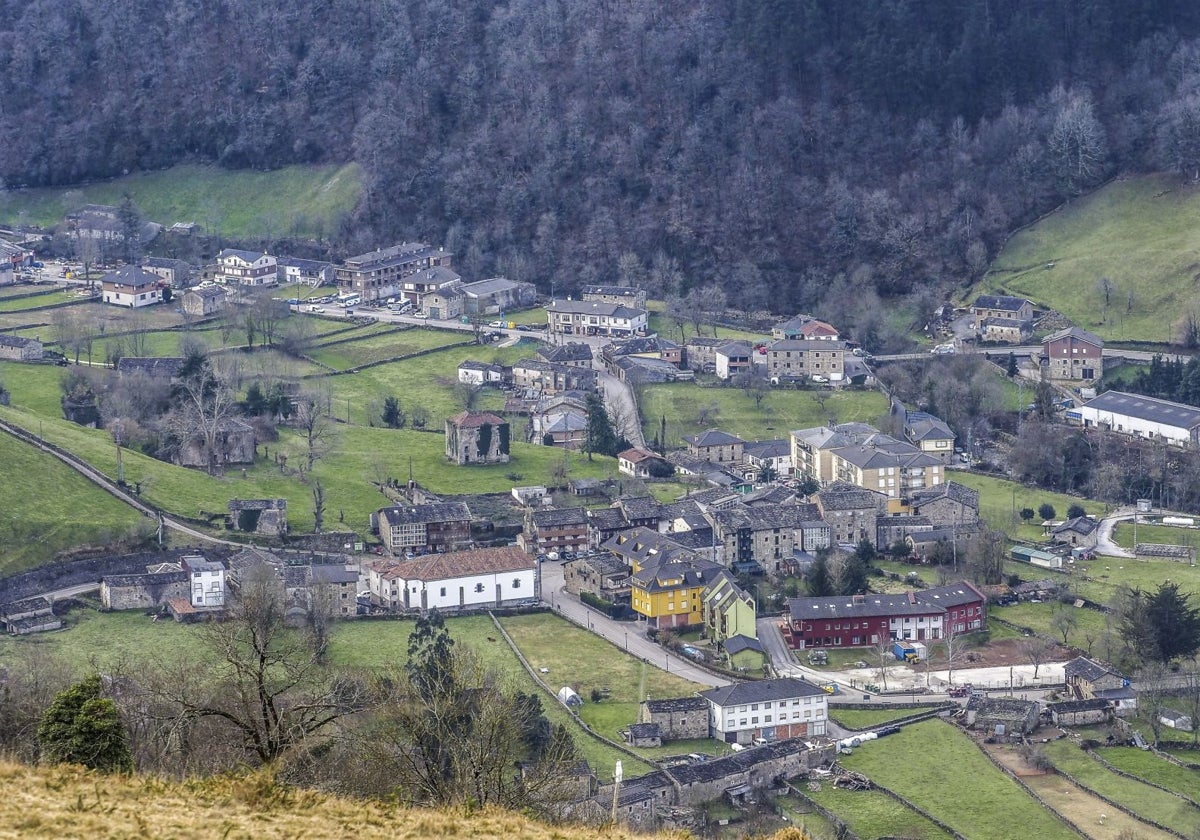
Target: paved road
628, 635
1027, 350
1104, 540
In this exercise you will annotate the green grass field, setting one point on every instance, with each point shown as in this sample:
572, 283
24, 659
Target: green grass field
1149, 767
49, 507
584, 661
782, 410
1147, 533
999, 498
872, 813
49, 298
1141, 233
293, 201
105, 640
1142, 799
1089, 623
936, 758
384, 345
867, 718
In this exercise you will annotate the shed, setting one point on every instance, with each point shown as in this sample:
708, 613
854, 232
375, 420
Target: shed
1175, 720
569, 697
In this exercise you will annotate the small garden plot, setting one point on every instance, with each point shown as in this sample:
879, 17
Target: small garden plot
1152, 533
1073, 802
872, 813
936, 767
1041, 618
1140, 798
1154, 769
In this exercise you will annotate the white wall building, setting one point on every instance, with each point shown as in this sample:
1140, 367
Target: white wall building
1145, 417
207, 581
131, 286
477, 579
589, 317
767, 709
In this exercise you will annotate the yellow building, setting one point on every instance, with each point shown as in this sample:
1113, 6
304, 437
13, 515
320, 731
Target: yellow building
669, 593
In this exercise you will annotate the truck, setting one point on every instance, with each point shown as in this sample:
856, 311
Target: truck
908, 651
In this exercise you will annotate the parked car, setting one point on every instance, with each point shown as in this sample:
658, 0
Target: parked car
420, 315
496, 325
317, 309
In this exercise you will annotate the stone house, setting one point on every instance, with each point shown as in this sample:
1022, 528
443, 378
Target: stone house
176, 273
678, 718
234, 444
202, 302
1080, 532
446, 302
1017, 717
1080, 712
1000, 306
417, 529
852, 512
143, 592
1072, 355
31, 615
477, 437
602, 575
639, 735
551, 377
259, 516
947, 505
1005, 330
20, 349
716, 446
555, 529
701, 352
498, 294
472, 372
1088, 679
793, 359
573, 353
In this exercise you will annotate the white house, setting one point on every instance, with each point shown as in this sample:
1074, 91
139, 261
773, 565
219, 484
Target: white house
131, 286
1145, 417
591, 317
769, 709
246, 268
207, 581
483, 578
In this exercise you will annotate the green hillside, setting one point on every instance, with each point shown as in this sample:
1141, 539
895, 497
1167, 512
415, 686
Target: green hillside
1143, 234
294, 201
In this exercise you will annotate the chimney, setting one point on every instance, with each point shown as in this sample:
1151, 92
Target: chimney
912, 597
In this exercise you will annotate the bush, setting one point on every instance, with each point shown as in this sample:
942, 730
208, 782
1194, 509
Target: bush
1046, 510
1076, 511
1027, 514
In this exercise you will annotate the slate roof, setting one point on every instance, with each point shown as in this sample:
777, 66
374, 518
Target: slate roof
206, 292
1068, 706
874, 458
558, 517
603, 564
456, 564
476, 419
734, 348
872, 605
951, 595
918, 425
405, 252
663, 573
1088, 669
1076, 333
649, 344
1012, 304
565, 422
643, 546
739, 643
7, 340
248, 256
823, 437
1011, 323
1147, 408
713, 437
677, 704
844, 496
166, 262
806, 345
251, 556
743, 762
563, 353
332, 574
645, 730
761, 691
950, 490
607, 519
133, 276
595, 307
432, 512
779, 448
166, 367
1082, 525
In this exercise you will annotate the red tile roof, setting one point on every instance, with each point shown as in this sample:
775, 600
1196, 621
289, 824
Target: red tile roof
457, 564
475, 419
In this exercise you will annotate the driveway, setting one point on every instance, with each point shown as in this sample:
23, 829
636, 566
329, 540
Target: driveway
630, 636
1104, 540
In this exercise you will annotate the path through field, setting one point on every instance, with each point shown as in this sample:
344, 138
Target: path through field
1095, 817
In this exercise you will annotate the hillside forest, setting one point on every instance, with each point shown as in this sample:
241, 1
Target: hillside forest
807, 155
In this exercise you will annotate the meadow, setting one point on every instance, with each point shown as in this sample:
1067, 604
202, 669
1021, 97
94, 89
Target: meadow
937, 759
1001, 501
305, 201
1140, 233
733, 411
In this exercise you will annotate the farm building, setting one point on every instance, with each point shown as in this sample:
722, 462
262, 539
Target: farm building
1036, 556
1144, 417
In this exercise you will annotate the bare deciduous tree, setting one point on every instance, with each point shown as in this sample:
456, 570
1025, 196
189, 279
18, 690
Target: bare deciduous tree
315, 426
208, 403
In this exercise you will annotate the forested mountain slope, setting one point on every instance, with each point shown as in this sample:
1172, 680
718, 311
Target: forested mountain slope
802, 153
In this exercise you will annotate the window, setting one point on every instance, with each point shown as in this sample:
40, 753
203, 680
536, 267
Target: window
479, 587
516, 583
443, 592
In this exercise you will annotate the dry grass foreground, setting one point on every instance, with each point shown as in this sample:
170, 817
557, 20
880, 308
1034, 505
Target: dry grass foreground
64, 802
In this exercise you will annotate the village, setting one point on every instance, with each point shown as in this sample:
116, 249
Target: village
838, 565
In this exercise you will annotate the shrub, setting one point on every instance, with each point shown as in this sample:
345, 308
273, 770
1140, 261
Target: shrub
1027, 514
1046, 510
